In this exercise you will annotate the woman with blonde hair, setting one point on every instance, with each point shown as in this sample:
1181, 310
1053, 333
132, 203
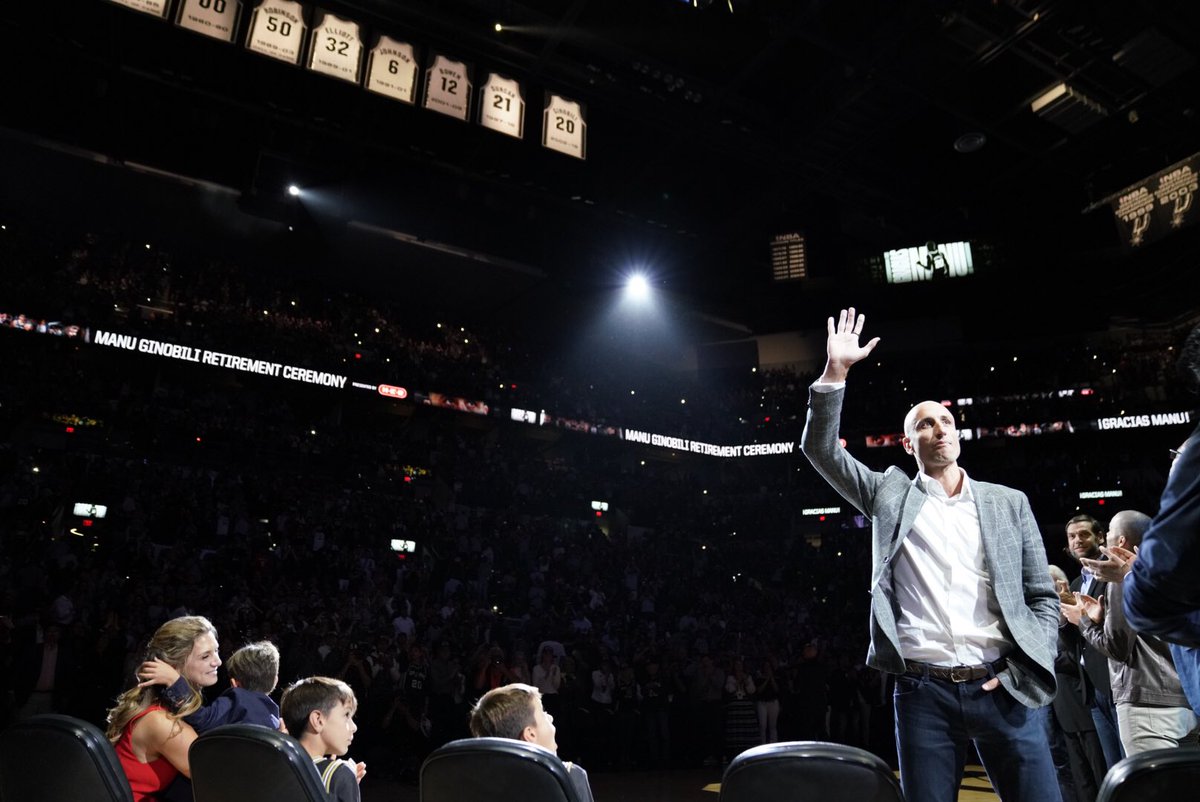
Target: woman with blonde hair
151, 738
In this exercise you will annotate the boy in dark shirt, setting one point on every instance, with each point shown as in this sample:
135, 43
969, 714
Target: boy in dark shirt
253, 674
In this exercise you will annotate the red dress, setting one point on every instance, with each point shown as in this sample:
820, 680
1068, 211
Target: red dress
148, 780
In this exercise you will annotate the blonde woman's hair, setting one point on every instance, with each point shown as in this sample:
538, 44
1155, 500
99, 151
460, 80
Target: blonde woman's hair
172, 643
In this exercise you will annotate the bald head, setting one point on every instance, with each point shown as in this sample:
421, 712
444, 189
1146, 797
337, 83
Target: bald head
917, 412
931, 436
1127, 527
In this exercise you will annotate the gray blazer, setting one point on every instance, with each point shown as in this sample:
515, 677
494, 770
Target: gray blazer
1012, 544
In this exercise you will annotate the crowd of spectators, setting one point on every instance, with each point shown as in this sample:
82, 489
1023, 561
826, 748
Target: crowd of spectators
273, 509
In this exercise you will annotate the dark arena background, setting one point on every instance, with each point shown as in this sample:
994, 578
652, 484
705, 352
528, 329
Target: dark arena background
335, 336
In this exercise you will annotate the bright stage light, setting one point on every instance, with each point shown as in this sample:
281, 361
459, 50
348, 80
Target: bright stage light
293, 190
638, 288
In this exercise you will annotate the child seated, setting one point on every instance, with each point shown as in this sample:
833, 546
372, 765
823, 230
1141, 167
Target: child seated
253, 674
319, 713
515, 711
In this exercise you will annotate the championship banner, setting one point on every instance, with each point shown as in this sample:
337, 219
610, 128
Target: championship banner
1162, 203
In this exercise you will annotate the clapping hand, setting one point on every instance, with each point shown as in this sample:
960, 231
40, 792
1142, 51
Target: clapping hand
1093, 607
1064, 592
1073, 610
1119, 562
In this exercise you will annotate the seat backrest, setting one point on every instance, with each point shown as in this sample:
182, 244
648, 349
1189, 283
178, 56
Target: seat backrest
249, 763
51, 757
494, 770
807, 771
1172, 773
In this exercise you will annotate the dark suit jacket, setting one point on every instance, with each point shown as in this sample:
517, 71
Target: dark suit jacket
1162, 593
1012, 543
1074, 698
1095, 663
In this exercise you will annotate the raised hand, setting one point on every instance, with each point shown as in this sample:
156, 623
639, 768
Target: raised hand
842, 348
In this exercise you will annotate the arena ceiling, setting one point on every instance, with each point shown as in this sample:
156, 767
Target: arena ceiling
712, 127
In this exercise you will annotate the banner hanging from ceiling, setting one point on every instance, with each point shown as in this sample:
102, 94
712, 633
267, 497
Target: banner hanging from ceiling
1158, 205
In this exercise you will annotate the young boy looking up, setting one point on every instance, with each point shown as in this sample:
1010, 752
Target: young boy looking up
515, 711
319, 713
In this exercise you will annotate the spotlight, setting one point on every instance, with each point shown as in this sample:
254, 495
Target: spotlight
293, 190
638, 288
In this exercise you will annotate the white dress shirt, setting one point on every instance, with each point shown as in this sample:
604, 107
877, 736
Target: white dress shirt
948, 610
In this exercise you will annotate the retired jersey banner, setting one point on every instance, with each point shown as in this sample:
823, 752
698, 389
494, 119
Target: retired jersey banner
564, 126
1162, 203
392, 70
156, 7
448, 87
277, 30
502, 106
215, 18
336, 48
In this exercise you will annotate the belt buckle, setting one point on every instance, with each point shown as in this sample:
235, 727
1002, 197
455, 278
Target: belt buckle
960, 673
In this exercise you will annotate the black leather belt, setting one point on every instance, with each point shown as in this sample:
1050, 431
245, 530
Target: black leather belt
954, 673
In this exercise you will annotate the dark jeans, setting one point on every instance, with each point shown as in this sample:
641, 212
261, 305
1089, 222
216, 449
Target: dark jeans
1060, 755
936, 723
1104, 714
